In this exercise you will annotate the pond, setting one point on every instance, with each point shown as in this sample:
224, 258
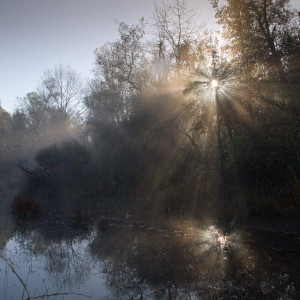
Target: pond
128, 258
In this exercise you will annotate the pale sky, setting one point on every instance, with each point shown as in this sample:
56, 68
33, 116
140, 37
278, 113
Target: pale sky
40, 34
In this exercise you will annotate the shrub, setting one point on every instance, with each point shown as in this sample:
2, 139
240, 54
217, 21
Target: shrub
25, 207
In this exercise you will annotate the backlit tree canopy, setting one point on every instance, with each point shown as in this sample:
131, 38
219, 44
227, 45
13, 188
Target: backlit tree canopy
261, 33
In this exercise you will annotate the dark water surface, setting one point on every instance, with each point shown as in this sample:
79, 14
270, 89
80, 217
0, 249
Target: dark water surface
132, 259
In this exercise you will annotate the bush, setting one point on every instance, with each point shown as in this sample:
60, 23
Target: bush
25, 207
68, 168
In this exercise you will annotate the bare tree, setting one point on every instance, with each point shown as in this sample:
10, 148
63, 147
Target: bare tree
61, 88
177, 30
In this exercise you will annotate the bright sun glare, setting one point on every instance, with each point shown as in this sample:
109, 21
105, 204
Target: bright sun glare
214, 83
216, 238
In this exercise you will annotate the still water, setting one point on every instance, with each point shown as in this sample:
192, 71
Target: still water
131, 259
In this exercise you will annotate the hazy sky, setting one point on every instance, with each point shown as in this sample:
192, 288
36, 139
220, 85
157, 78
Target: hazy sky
39, 34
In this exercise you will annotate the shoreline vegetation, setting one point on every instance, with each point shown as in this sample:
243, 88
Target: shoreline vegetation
172, 118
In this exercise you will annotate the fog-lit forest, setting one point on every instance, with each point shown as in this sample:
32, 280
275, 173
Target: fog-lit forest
177, 121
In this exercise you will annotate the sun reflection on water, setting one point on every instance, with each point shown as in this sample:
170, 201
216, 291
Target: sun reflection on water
216, 238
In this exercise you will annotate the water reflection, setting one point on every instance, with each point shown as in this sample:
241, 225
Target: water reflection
132, 260
184, 262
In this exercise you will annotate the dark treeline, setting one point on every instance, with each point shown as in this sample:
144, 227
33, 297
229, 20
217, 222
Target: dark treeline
151, 132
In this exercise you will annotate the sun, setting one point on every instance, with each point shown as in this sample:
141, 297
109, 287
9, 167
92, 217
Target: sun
214, 83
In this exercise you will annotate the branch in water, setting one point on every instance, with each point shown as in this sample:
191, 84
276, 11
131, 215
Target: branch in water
11, 266
57, 294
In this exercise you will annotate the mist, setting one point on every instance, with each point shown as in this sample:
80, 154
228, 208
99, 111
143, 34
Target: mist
172, 173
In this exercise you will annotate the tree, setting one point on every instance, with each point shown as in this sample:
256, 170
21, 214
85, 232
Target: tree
104, 105
38, 120
262, 151
61, 88
123, 64
177, 31
19, 123
105, 111
34, 110
262, 34
5, 130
